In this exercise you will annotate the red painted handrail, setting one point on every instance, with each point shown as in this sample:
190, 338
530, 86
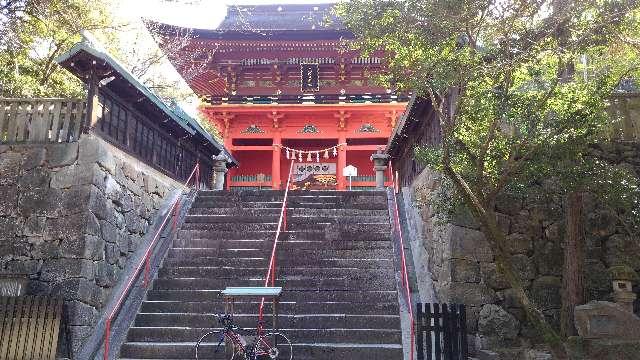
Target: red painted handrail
405, 276
270, 277
146, 261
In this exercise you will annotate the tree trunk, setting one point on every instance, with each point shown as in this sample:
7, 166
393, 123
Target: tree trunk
573, 270
498, 242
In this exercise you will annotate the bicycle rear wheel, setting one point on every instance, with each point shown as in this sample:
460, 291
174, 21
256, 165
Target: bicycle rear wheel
273, 346
218, 351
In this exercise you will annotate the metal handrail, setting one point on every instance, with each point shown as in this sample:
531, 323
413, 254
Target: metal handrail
146, 261
405, 276
270, 277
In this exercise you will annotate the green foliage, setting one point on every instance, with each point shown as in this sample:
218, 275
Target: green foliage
34, 33
527, 108
519, 112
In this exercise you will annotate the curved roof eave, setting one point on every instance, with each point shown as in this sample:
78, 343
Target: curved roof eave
217, 34
188, 124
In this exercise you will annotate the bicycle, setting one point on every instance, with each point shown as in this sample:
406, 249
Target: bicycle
268, 346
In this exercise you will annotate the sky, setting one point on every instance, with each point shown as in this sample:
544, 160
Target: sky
202, 14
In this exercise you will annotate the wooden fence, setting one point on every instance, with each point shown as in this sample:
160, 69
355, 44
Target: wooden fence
441, 332
29, 327
143, 137
40, 120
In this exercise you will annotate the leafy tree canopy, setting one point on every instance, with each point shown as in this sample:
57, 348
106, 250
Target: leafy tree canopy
521, 90
33, 33
530, 83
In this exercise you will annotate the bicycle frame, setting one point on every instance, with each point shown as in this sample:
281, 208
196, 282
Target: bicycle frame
232, 332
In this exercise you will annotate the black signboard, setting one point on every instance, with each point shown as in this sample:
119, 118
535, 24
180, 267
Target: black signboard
309, 77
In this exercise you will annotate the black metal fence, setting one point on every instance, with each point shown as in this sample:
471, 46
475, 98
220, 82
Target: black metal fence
441, 332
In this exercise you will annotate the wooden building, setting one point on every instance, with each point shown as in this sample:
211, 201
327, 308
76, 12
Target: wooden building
418, 126
125, 113
279, 84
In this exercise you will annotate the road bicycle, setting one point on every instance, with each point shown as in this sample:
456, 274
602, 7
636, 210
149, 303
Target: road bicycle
267, 346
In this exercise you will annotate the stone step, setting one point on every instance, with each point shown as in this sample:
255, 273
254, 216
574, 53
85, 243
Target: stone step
338, 212
282, 261
232, 204
211, 273
291, 219
310, 255
356, 296
271, 196
231, 219
288, 282
275, 202
351, 351
285, 321
235, 211
302, 234
307, 307
307, 224
335, 263
240, 228
176, 332
237, 193
337, 205
283, 245
293, 203
307, 351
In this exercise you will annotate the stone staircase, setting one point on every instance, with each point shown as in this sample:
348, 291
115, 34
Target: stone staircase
335, 264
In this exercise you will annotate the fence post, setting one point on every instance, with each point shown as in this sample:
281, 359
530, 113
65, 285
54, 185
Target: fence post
446, 338
463, 332
419, 331
107, 340
197, 184
454, 313
147, 269
176, 214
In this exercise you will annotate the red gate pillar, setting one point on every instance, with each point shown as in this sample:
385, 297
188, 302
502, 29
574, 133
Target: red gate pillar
342, 162
275, 164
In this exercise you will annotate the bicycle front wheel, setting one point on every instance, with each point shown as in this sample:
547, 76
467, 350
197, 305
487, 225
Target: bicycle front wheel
212, 346
273, 346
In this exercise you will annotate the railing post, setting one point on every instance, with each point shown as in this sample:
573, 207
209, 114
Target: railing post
273, 273
197, 184
176, 214
146, 271
107, 339
284, 220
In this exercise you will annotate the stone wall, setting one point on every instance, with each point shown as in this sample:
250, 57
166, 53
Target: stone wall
70, 217
461, 267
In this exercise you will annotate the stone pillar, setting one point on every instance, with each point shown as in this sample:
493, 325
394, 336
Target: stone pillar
342, 162
219, 171
275, 164
380, 162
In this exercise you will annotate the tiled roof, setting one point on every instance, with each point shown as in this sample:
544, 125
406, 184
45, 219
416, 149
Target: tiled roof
90, 48
281, 17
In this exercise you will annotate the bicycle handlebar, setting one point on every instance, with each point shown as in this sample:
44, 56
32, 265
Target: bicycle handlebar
225, 319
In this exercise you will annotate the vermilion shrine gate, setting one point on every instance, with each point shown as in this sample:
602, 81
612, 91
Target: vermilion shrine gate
279, 85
